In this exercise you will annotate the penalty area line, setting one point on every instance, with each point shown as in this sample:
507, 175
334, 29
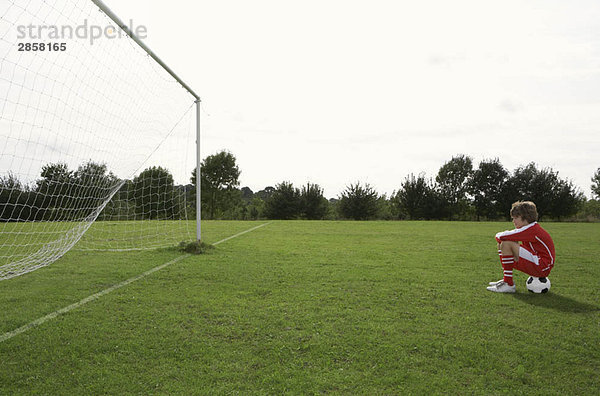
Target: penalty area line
43, 319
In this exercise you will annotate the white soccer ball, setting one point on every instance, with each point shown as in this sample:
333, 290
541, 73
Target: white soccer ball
538, 285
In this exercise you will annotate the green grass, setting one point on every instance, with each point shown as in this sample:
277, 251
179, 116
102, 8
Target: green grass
21, 240
305, 307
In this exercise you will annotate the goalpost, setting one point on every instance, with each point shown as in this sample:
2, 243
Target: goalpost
197, 102
93, 126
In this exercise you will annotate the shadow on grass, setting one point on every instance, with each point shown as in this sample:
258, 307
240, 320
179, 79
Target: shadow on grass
557, 302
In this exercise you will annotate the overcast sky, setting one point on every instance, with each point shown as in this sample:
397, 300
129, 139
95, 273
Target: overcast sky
335, 92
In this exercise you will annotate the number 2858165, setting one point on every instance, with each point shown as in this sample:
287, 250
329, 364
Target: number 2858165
39, 47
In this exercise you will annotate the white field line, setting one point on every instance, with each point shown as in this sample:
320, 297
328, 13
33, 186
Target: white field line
241, 233
37, 322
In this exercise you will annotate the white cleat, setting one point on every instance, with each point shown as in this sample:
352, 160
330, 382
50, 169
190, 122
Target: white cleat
502, 287
495, 283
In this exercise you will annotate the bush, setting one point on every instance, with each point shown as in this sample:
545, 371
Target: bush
358, 202
590, 211
418, 199
284, 203
313, 205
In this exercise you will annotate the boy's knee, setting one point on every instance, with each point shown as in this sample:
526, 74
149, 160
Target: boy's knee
509, 247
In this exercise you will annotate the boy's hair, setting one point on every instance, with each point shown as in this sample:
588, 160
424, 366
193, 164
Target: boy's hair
525, 210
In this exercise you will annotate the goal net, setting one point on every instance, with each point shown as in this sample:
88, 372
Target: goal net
96, 138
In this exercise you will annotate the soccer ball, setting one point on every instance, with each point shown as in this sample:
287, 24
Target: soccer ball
538, 285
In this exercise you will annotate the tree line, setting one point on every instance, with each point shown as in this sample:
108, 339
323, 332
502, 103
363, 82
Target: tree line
459, 191
61, 194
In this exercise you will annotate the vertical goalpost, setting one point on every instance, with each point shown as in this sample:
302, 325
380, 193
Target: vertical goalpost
197, 102
198, 184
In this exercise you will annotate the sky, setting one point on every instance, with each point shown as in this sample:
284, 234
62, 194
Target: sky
338, 92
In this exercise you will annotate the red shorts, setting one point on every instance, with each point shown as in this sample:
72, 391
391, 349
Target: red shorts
531, 264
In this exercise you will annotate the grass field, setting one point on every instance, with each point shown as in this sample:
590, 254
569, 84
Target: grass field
305, 307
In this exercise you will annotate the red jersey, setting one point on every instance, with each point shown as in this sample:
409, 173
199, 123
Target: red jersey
535, 239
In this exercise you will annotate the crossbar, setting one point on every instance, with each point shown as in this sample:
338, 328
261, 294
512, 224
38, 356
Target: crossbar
126, 29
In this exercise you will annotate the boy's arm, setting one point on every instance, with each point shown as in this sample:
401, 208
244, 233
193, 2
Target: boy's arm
513, 235
498, 237
522, 234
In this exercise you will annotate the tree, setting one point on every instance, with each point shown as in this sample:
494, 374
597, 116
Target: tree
219, 178
92, 185
385, 208
568, 199
453, 181
358, 202
418, 199
54, 195
154, 194
596, 184
256, 208
247, 194
313, 205
16, 199
284, 203
265, 193
486, 186
122, 206
509, 193
537, 186
10, 182
553, 196
590, 210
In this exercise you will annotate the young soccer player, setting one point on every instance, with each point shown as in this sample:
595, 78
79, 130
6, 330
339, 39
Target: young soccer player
535, 255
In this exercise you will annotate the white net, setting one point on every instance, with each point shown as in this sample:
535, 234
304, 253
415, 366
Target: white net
91, 128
